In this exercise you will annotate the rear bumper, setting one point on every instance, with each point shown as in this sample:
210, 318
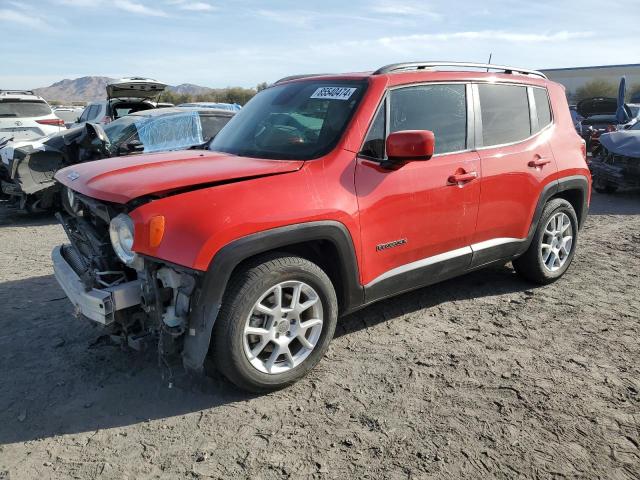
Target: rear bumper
99, 305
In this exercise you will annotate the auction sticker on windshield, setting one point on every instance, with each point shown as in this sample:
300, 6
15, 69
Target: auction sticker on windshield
333, 93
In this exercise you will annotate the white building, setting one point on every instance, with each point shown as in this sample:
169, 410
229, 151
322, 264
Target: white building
574, 78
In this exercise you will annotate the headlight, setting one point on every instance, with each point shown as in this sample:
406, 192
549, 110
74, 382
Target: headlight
72, 204
121, 231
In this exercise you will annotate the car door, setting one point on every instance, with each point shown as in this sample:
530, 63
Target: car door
517, 162
418, 220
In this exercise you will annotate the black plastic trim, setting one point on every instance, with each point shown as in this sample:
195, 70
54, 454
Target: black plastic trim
208, 304
417, 278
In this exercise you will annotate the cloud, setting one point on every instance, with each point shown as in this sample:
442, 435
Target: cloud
26, 19
401, 41
387, 7
192, 6
290, 17
139, 8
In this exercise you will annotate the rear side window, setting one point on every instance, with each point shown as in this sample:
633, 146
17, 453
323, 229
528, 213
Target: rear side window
23, 108
94, 111
439, 108
542, 107
505, 114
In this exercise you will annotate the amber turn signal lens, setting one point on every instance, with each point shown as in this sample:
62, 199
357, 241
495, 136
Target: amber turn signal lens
156, 230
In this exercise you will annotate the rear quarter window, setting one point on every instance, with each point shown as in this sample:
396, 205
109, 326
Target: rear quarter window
542, 107
23, 109
505, 114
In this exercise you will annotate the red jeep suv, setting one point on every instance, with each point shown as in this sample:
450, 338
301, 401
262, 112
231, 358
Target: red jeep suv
324, 194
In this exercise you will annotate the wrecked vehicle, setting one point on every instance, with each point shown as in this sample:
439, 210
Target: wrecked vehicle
27, 168
323, 194
616, 164
125, 96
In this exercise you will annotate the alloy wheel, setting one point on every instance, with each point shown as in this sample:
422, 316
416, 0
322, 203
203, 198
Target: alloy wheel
283, 327
557, 240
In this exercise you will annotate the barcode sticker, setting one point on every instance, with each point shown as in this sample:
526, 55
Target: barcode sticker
333, 93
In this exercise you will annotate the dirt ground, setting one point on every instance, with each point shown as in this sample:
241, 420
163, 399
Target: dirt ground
482, 376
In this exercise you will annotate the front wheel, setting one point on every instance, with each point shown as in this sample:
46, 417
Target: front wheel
553, 245
277, 319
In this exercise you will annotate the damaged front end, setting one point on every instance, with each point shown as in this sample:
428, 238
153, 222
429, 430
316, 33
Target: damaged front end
141, 301
28, 168
616, 164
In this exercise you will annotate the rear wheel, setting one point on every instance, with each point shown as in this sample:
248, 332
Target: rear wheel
553, 245
277, 319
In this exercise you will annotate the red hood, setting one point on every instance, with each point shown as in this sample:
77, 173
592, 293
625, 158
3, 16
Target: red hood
122, 179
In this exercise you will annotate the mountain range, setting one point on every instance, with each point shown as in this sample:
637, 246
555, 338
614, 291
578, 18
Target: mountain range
86, 89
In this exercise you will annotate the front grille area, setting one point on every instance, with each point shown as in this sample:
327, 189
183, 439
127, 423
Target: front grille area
90, 254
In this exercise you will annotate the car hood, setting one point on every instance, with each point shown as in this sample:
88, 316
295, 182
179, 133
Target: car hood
122, 179
623, 142
597, 106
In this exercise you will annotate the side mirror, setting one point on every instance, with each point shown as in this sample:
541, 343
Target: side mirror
410, 145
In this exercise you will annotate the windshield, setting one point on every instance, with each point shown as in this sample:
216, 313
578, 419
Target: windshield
23, 108
300, 120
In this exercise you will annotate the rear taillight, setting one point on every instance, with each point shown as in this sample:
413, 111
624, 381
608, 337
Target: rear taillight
56, 122
106, 119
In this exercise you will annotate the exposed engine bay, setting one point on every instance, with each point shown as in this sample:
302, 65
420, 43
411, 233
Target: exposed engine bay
142, 303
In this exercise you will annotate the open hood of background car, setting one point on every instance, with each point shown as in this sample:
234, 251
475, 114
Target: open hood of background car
122, 179
597, 106
135, 88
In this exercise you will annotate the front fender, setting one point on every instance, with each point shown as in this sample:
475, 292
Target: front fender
205, 311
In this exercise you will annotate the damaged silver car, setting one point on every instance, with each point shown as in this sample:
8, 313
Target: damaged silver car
27, 168
616, 164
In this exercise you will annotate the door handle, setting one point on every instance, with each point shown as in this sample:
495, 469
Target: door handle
462, 178
539, 162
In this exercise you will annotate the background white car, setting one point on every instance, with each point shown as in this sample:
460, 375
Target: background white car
25, 116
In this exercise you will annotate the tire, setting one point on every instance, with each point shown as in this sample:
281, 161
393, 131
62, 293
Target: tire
532, 265
258, 283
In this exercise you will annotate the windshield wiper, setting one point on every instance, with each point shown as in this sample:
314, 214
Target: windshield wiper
8, 115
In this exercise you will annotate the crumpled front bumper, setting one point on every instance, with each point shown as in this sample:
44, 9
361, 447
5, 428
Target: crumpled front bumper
618, 175
98, 305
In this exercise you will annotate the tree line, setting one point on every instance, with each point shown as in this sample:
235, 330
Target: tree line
237, 95
603, 88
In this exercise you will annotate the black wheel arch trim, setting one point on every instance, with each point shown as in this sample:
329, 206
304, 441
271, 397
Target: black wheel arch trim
574, 182
209, 300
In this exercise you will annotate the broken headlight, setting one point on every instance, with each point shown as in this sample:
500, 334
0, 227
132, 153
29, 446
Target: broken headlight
121, 231
72, 201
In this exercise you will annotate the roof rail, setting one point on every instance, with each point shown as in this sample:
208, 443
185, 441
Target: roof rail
396, 67
16, 92
296, 77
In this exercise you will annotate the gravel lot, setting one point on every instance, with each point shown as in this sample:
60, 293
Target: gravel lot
482, 376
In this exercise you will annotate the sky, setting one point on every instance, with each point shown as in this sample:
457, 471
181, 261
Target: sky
242, 43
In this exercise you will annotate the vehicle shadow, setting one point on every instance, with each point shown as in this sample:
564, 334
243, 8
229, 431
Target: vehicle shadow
10, 217
625, 202
491, 281
62, 376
